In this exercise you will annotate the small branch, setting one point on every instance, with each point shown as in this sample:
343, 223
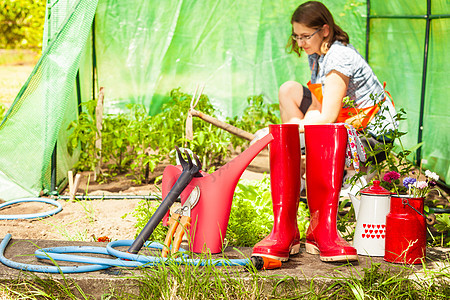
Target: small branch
225, 126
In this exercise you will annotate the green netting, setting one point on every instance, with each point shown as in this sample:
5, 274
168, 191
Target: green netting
44, 106
397, 48
144, 49
237, 48
436, 127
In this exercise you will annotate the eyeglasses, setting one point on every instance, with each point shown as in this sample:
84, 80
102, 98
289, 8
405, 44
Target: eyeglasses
304, 38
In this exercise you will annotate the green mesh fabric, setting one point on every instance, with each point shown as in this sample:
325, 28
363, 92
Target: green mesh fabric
397, 56
236, 48
38, 117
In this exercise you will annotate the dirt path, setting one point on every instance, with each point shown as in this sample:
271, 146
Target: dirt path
78, 220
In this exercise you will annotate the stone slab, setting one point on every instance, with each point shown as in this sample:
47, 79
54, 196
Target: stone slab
302, 266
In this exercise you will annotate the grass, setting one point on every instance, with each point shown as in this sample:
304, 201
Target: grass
194, 282
78, 235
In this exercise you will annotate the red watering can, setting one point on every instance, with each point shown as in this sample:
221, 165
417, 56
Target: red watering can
210, 216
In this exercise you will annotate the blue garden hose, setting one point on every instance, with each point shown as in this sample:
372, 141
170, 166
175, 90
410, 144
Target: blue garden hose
152, 260
123, 259
51, 269
31, 216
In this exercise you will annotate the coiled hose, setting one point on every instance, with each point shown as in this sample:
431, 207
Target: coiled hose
122, 259
31, 216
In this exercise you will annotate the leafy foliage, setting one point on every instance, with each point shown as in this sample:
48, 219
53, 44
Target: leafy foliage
210, 143
83, 136
257, 115
251, 217
143, 212
21, 23
135, 143
443, 227
398, 159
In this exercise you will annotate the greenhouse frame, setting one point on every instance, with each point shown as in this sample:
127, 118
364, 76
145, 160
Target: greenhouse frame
138, 51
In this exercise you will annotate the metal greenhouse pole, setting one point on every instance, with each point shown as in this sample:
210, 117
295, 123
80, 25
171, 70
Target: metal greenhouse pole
428, 17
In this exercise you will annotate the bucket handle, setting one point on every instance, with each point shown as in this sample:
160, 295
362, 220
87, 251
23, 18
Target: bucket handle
430, 220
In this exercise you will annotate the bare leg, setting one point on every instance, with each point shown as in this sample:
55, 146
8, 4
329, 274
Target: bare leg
290, 97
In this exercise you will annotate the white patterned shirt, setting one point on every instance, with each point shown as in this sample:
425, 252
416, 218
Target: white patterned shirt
364, 88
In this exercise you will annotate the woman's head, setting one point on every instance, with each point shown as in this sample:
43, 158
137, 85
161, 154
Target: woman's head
315, 28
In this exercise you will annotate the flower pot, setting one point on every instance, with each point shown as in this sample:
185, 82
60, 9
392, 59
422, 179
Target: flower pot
405, 230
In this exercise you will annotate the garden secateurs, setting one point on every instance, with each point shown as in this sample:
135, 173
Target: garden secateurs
179, 222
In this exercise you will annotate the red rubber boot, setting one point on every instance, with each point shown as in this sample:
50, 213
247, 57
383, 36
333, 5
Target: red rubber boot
285, 186
325, 160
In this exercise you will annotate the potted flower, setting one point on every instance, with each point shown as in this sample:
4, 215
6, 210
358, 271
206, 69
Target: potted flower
406, 221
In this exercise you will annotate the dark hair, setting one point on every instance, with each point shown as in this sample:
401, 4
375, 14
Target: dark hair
314, 14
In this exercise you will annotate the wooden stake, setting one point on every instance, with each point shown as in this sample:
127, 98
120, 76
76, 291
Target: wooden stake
74, 189
98, 135
225, 126
70, 177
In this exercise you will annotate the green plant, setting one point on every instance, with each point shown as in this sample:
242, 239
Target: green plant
89, 209
134, 142
257, 115
128, 145
345, 220
143, 212
398, 159
251, 216
83, 136
443, 227
142, 145
210, 144
170, 281
21, 23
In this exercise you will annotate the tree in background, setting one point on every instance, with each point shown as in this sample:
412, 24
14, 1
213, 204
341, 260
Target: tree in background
21, 23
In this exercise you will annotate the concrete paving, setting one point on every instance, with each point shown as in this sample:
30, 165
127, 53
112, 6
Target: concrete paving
302, 267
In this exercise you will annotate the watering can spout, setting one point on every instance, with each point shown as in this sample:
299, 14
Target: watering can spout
356, 202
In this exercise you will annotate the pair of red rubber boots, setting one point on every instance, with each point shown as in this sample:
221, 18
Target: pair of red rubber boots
325, 159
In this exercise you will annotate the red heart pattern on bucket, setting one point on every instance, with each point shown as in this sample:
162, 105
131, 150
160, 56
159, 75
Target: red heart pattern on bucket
374, 231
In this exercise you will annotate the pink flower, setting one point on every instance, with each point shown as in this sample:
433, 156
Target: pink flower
420, 184
391, 176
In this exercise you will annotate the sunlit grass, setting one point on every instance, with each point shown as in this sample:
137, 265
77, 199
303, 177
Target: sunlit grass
172, 281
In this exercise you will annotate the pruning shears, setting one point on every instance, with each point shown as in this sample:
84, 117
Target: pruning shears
179, 222
190, 170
